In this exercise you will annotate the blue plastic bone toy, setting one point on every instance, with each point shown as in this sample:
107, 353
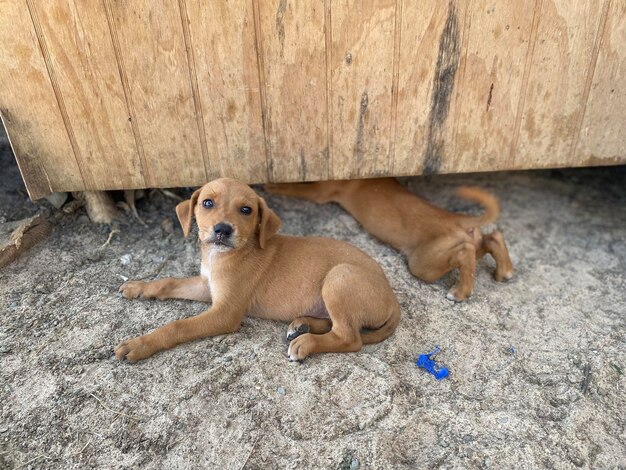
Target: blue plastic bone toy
425, 362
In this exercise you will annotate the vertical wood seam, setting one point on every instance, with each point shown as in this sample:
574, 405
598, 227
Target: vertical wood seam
532, 40
57, 91
597, 45
145, 170
193, 81
395, 78
328, 40
460, 86
261, 70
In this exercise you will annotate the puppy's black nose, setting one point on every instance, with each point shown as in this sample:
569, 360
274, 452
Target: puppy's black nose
222, 229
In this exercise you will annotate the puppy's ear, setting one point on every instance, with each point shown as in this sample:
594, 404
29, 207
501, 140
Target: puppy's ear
269, 223
184, 211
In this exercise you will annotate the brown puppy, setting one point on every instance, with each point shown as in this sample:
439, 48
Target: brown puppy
434, 240
336, 297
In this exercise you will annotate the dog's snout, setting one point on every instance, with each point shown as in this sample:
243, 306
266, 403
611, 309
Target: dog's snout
222, 229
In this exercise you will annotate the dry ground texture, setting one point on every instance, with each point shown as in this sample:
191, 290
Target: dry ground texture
537, 365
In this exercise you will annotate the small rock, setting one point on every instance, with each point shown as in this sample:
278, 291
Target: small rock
281, 390
354, 463
126, 259
5, 349
228, 358
503, 420
4, 429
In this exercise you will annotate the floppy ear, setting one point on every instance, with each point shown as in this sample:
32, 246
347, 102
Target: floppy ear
269, 223
184, 211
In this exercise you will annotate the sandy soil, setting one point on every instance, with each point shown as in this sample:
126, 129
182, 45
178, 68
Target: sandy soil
537, 364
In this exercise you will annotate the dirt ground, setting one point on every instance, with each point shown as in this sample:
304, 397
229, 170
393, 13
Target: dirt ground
536, 365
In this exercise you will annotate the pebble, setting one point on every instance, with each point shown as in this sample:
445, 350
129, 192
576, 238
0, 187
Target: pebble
228, 358
354, 464
503, 420
281, 390
126, 259
4, 429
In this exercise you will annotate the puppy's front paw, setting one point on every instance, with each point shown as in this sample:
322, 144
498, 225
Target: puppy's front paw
135, 349
503, 276
456, 295
301, 347
134, 290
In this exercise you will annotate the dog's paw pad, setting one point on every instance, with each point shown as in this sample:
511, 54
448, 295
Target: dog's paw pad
293, 333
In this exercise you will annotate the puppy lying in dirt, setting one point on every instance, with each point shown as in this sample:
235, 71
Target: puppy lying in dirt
336, 297
434, 240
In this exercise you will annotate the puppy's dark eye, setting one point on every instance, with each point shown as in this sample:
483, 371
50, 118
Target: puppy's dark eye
245, 210
207, 203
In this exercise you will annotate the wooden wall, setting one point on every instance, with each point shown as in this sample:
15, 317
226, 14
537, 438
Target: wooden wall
116, 94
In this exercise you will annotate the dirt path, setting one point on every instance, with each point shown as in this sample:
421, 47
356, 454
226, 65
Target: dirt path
536, 365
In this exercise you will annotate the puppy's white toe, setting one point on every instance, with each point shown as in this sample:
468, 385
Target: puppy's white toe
450, 296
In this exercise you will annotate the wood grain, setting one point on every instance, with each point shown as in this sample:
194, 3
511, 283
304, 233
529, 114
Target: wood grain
152, 55
30, 110
292, 41
555, 98
601, 138
228, 81
499, 46
362, 68
83, 59
119, 94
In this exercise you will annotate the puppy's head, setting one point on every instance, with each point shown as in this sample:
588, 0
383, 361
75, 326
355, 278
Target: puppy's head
229, 215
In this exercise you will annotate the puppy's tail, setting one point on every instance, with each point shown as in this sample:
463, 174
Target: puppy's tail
485, 199
384, 331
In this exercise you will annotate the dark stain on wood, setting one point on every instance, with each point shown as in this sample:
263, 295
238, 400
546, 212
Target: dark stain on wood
359, 145
489, 97
280, 25
443, 86
303, 168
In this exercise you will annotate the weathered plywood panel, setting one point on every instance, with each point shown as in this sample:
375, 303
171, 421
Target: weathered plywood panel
228, 81
361, 67
563, 57
602, 136
499, 40
119, 94
430, 54
153, 59
30, 110
292, 40
83, 59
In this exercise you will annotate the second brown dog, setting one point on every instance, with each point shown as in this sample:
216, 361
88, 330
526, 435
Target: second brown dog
434, 240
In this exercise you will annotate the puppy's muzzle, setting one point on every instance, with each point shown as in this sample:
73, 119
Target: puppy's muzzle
221, 234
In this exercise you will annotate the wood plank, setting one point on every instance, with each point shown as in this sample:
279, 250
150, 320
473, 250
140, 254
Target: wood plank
154, 61
30, 110
228, 81
292, 41
555, 97
495, 72
431, 36
362, 77
83, 59
601, 138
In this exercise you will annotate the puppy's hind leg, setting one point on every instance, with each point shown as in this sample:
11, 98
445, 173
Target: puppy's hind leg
463, 257
354, 299
494, 244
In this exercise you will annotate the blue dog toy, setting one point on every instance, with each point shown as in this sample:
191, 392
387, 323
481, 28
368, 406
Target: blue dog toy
425, 362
